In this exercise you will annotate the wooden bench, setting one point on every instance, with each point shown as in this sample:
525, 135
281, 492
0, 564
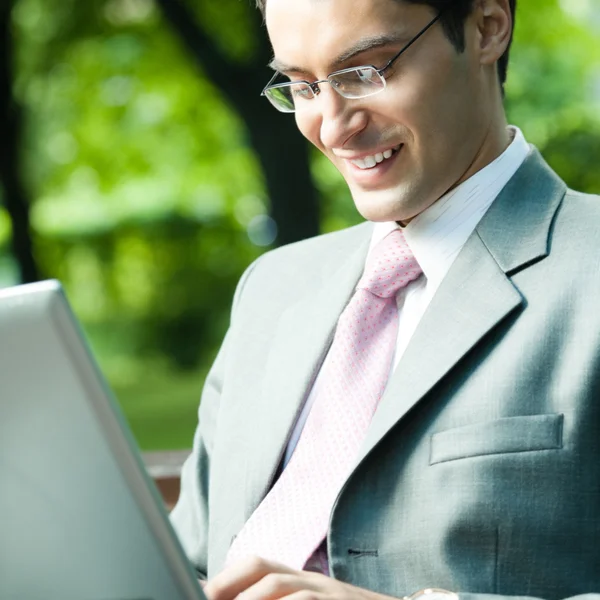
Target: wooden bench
165, 468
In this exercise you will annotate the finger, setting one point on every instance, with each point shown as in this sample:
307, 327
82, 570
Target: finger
309, 595
240, 576
274, 586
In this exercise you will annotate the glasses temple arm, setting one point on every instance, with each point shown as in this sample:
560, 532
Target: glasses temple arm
397, 56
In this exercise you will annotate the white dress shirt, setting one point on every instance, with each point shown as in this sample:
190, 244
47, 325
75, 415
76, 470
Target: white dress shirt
435, 237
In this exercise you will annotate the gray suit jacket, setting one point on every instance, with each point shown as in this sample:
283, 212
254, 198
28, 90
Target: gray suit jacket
480, 472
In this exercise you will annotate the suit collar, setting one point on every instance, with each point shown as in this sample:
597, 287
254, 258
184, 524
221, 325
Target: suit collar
516, 229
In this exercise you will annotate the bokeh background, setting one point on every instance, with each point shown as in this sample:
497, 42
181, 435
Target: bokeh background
139, 166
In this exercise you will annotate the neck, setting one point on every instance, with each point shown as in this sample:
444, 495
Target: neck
495, 141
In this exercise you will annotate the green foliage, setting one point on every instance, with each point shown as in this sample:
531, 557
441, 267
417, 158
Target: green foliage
229, 23
144, 188
553, 90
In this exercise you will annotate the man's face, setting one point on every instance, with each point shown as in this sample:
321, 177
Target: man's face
434, 114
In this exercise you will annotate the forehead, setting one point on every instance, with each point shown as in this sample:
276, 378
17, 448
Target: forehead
312, 33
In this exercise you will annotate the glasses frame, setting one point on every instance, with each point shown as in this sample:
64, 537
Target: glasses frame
314, 86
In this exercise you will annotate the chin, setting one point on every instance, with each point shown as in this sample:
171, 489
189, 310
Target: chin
382, 205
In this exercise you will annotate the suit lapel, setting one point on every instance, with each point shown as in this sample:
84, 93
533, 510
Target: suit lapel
477, 293
301, 342
457, 318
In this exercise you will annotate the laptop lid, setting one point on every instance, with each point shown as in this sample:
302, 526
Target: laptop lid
79, 517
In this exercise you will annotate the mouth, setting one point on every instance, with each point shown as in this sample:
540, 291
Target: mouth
371, 161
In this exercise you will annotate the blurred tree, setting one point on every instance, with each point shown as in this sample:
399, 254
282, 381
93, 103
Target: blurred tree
282, 151
574, 152
15, 195
148, 197
553, 90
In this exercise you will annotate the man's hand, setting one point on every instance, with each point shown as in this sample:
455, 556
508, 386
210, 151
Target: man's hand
258, 579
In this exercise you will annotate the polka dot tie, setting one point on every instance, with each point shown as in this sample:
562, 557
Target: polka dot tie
292, 520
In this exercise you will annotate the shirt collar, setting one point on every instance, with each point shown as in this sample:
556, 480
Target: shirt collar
437, 235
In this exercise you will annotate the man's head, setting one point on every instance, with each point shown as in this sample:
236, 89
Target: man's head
441, 113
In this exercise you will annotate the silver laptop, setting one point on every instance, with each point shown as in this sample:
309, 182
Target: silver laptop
79, 517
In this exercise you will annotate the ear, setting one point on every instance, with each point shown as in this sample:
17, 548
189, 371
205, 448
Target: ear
494, 28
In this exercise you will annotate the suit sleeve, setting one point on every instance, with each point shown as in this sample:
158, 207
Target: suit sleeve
190, 516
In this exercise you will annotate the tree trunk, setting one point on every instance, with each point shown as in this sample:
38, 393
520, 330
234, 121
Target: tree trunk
282, 151
15, 197
283, 154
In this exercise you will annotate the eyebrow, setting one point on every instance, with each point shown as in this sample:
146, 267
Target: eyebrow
364, 45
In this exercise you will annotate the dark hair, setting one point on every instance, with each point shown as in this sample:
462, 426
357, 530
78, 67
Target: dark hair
454, 15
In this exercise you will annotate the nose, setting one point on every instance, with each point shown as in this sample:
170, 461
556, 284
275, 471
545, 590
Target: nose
341, 118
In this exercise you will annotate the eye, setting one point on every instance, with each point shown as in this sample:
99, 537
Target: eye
365, 75
302, 91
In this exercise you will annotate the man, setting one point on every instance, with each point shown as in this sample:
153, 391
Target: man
414, 402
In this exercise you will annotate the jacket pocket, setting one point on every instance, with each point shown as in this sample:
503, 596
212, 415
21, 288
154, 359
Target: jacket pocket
511, 434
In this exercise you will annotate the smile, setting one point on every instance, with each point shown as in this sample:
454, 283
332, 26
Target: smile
368, 162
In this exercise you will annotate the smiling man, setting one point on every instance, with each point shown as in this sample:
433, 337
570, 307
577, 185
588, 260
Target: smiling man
411, 403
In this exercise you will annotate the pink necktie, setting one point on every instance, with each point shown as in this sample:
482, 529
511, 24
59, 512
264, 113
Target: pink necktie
292, 520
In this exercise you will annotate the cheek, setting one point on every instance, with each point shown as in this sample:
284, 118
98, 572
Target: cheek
433, 105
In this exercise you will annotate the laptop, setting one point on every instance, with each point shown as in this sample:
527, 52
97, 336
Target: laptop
79, 517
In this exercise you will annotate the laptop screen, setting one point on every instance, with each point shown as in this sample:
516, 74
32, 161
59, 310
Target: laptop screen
79, 517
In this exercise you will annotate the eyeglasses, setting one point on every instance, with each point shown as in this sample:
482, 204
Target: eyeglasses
356, 82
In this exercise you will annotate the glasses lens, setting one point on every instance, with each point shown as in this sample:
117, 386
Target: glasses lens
280, 98
286, 97
357, 83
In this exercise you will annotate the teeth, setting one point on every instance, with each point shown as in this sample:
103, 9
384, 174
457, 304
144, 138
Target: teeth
368, 162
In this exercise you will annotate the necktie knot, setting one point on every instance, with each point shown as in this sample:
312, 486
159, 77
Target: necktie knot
390, 267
